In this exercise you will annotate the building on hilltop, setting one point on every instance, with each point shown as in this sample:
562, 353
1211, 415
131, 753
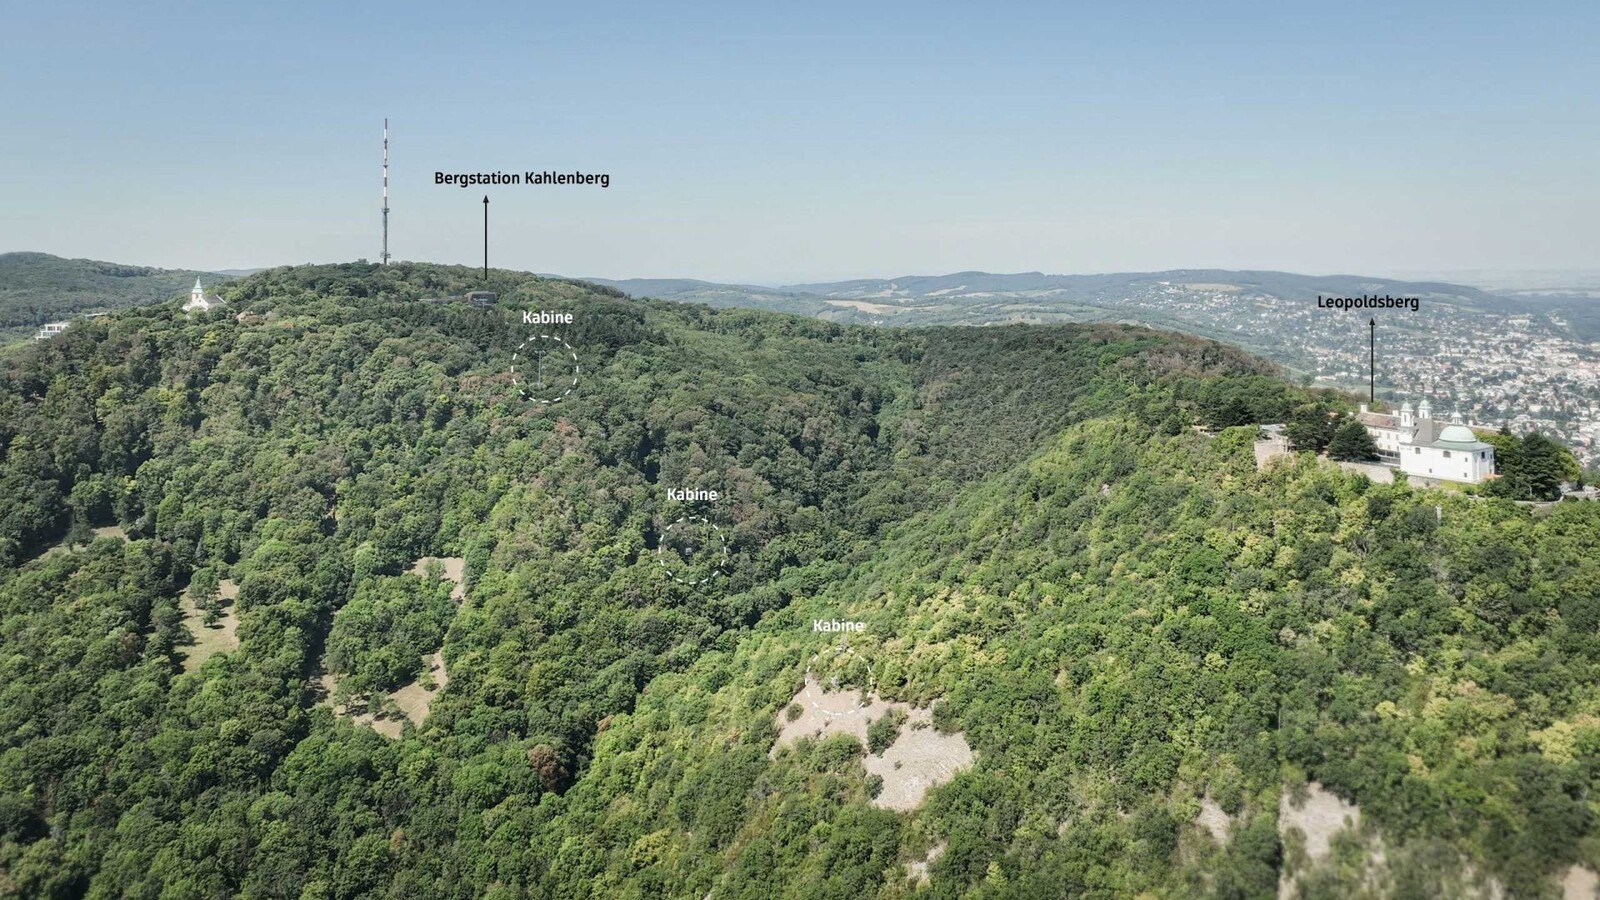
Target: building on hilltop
199, 300
1418, 444
50, 330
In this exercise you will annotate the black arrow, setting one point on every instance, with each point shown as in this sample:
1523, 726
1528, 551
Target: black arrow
486, 239
1372, 360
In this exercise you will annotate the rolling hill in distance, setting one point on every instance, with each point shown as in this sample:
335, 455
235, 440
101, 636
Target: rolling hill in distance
985, 298
36, 288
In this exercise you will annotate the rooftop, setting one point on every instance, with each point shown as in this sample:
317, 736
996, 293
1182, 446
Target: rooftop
1458, 437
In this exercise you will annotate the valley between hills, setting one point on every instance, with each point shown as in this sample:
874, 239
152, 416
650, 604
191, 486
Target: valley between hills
309, 596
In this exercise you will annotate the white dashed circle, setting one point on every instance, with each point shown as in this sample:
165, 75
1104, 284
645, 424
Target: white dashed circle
683, 523
845, 652
537, 383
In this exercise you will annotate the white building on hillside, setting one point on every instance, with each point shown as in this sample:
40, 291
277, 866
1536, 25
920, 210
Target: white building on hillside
1418, 444
199, 300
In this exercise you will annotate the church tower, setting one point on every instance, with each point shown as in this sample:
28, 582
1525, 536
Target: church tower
1408, 419
198, 299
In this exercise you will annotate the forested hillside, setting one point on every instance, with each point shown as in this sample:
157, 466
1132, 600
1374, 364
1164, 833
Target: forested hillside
1130, 628
36, 288
1122, 616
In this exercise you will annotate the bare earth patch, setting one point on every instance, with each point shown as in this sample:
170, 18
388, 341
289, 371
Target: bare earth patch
1321, 817
825, 712
454, 569
918, 868
1318, 819
920, 759
1580, 883
413, 699
110, 531
1213, 819
209, 640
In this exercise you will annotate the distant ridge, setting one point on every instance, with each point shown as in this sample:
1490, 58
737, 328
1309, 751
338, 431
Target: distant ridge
987, 298
973, 283
38, 287
692, 290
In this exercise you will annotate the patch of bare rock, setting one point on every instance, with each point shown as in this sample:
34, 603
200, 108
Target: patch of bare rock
919, 759
1213, 819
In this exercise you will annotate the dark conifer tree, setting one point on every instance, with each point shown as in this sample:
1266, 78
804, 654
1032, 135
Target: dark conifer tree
1352, 442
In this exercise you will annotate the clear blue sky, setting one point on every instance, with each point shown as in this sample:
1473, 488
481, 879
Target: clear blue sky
819, 140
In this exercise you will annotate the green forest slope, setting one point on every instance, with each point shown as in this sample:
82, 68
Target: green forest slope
1195, 629
1121, 614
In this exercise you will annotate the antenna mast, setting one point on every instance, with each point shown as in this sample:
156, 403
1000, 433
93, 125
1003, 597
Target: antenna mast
384, 256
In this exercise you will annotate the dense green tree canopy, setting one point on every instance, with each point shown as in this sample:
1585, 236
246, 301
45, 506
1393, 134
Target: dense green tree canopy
1532, 467
1121, 614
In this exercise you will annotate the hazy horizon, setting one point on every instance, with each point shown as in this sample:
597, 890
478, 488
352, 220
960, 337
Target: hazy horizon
1481, 278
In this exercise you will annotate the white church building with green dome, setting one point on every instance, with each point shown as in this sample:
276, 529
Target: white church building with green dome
199, 300
1418, 444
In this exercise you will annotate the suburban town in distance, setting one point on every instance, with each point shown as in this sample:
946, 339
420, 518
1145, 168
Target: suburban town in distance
1524, 370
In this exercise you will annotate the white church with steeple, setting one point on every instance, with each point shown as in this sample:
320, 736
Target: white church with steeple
1418, 444
199, 300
